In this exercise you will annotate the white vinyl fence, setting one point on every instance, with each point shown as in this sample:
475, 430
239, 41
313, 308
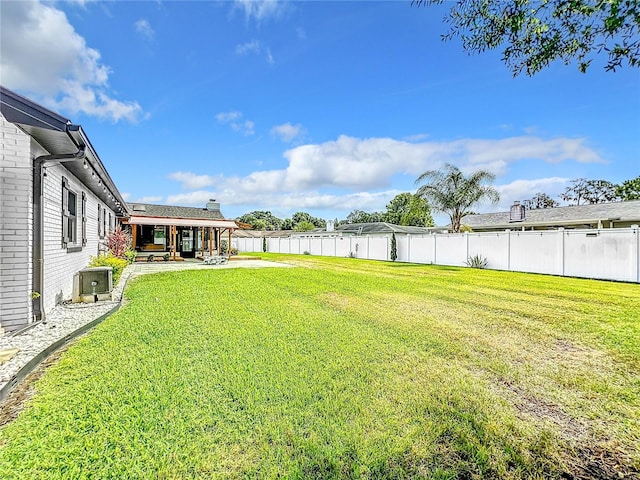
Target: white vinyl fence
607, 254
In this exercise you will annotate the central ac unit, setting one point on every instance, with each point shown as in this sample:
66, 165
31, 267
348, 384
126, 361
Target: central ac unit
93, 284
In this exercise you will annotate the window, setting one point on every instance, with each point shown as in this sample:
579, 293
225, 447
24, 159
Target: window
69, 212
84, 219
104, 221
110, 223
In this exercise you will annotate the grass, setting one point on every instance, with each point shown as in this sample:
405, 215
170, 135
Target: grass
344, 368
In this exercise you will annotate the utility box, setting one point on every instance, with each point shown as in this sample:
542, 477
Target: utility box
93, 284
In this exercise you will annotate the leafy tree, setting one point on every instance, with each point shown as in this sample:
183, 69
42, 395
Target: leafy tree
447, 190
299, 217
582, 191
540, 200
535, 33
271, 222
287, 224
304, 226
360, 216
629, 189
408, 209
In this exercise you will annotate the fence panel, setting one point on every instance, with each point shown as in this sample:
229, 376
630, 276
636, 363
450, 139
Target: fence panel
493, 246
343, 247
536, 252
451, 249
603, 254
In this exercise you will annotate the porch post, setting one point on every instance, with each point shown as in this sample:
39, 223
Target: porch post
210, 241
134, 234
174, 240
202, 242
229, 244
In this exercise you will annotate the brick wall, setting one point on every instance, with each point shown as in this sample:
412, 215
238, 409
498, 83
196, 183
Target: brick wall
16, 221
61, 263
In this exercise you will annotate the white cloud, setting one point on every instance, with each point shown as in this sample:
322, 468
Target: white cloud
253, 46
42, 54
191, 181
234, 120
290, 201
365, 168
143, 27
261, 10
519, 190
288, 132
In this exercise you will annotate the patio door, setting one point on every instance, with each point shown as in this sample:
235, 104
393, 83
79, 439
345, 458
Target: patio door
187, 243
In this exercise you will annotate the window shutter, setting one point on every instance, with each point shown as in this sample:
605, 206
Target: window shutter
84, 219
99, 220
65, 212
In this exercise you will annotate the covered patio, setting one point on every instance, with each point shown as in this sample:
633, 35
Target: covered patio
177, 233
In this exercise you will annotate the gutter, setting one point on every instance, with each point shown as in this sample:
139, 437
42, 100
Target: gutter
38, 219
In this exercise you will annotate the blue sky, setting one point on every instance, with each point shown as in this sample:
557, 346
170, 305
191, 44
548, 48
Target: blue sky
324, 107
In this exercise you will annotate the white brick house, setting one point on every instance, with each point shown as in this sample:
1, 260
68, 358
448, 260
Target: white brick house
57, 204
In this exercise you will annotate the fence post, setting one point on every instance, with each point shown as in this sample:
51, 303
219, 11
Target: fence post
562, 254
435, 250
508, 249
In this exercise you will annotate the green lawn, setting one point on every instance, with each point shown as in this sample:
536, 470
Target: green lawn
343, 368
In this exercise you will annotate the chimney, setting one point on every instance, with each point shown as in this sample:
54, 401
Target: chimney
213, 205
330, 226
517, 212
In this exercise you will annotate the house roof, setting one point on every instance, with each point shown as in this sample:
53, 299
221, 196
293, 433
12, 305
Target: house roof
559, 216
150, 214
58, 136
379, 227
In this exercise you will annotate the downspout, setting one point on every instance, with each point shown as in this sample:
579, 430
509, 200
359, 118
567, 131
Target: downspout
38, 222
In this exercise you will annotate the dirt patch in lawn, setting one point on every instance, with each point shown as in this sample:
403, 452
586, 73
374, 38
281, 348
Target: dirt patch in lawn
18, 398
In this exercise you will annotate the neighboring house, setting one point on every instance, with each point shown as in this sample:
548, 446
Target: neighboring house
371, 228
58, 203
180, 232
599, 215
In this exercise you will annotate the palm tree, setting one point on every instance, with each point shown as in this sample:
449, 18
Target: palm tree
447, 190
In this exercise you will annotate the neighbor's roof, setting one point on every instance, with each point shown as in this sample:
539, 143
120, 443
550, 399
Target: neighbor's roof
261, 233
558, 216
379, 227
150, 214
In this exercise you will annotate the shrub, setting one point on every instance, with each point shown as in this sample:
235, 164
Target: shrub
165, 257
223, 246
234, 250
108, 260
306, 252
151, 258
130, 255
477, 261
118, 242
264, 244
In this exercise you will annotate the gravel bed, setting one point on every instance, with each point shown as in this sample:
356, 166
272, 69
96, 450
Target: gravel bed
64, 319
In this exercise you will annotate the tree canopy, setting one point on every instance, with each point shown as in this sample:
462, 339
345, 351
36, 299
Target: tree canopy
629, 189
408, 209
583, 191
540, 200
535, 33
449, 191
